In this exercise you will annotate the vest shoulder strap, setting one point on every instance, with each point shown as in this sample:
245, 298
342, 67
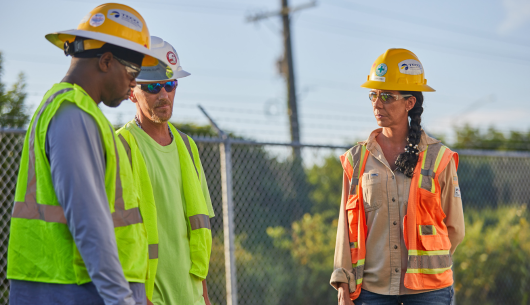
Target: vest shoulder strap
188, 146
435, 159
351, 162
125, 136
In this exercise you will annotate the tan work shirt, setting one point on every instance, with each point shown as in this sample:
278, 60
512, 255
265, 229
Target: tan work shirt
386, 196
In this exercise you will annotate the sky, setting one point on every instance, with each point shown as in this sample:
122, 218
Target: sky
476, 54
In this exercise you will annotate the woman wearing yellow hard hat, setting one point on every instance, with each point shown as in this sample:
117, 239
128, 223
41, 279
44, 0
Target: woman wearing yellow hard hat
401, 215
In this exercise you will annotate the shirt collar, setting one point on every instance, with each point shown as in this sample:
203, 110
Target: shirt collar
372, 145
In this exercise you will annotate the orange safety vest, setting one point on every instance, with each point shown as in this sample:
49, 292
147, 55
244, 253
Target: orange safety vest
425, 233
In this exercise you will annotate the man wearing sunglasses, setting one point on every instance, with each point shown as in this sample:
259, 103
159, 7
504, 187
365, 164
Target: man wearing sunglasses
77, 235
174, 196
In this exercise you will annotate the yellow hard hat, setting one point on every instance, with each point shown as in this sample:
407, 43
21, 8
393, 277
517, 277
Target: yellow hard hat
397, 69
111, 23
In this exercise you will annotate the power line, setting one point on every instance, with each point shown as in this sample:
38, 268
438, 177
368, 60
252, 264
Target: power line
373, 33
429, 22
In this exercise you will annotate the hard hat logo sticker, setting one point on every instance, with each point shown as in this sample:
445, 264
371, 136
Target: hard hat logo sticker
172, 58
410, 67
381, 70
125, 18
97, 20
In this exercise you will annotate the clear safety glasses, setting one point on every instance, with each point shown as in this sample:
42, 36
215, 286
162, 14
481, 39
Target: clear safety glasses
131, 69
386, 97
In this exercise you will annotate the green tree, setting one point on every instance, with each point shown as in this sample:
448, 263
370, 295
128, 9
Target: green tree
491, 265
468, 137
12, 102
326, 183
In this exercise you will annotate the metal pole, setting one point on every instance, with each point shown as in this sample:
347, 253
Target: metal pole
228, 212
289, 77
228, 222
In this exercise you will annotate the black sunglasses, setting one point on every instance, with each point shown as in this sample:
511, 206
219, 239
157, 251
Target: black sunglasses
156, 87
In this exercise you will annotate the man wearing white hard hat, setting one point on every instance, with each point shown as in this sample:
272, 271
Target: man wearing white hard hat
174, 196
77, 235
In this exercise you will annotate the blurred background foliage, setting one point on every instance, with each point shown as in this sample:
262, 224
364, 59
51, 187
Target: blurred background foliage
13, 110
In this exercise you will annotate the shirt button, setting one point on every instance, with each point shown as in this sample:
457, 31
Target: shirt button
395, 246
393, 177
395, 222
393, 199
397, 269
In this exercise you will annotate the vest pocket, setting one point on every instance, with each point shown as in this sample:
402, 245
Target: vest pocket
431, 230
372, 191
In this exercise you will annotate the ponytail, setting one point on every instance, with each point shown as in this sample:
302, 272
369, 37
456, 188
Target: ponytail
406, 161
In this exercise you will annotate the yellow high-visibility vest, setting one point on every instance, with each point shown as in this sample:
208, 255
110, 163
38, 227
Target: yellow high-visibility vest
41, 247
197, 216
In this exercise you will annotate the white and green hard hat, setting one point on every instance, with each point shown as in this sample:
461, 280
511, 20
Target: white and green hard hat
159, 72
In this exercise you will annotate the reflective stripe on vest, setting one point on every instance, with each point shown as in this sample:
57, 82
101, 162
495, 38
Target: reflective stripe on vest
354, 156
433, 154
153, 251
30, 209
429, 262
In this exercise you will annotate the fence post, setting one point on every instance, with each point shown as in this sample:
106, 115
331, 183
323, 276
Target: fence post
225, 152
228, 222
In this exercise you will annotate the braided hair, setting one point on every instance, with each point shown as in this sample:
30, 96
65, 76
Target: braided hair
406, 161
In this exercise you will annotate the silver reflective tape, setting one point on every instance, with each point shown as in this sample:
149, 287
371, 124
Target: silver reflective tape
427, 230
200, 221
122, 217
428, 169
429, 261
33, 210
153, 251
127, 148
188, 146
31, 189
429, 172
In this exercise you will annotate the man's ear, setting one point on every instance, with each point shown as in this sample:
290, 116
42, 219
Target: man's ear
132, 97
105, 62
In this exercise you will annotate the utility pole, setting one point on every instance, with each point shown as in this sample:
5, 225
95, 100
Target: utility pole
287, 66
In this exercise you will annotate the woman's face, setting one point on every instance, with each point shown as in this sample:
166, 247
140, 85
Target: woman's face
394, 111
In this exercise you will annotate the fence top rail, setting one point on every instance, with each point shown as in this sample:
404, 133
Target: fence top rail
13, 130
462, 152
493, 153
249, 142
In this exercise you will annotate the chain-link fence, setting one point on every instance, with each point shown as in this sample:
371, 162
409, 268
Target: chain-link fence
284, 214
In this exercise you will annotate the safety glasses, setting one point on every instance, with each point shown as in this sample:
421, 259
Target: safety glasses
131, 69
386, 97
156, 87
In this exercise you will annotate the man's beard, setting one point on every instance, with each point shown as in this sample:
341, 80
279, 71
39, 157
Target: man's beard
155, 118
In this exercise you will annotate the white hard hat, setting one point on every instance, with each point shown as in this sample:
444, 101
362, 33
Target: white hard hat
159, 72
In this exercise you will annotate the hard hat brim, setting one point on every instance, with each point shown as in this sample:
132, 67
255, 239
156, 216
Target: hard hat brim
176, 75
124, 43
396, 87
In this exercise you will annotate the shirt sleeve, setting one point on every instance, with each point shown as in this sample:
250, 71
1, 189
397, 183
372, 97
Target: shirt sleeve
75, 151
342, 265
452, 205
